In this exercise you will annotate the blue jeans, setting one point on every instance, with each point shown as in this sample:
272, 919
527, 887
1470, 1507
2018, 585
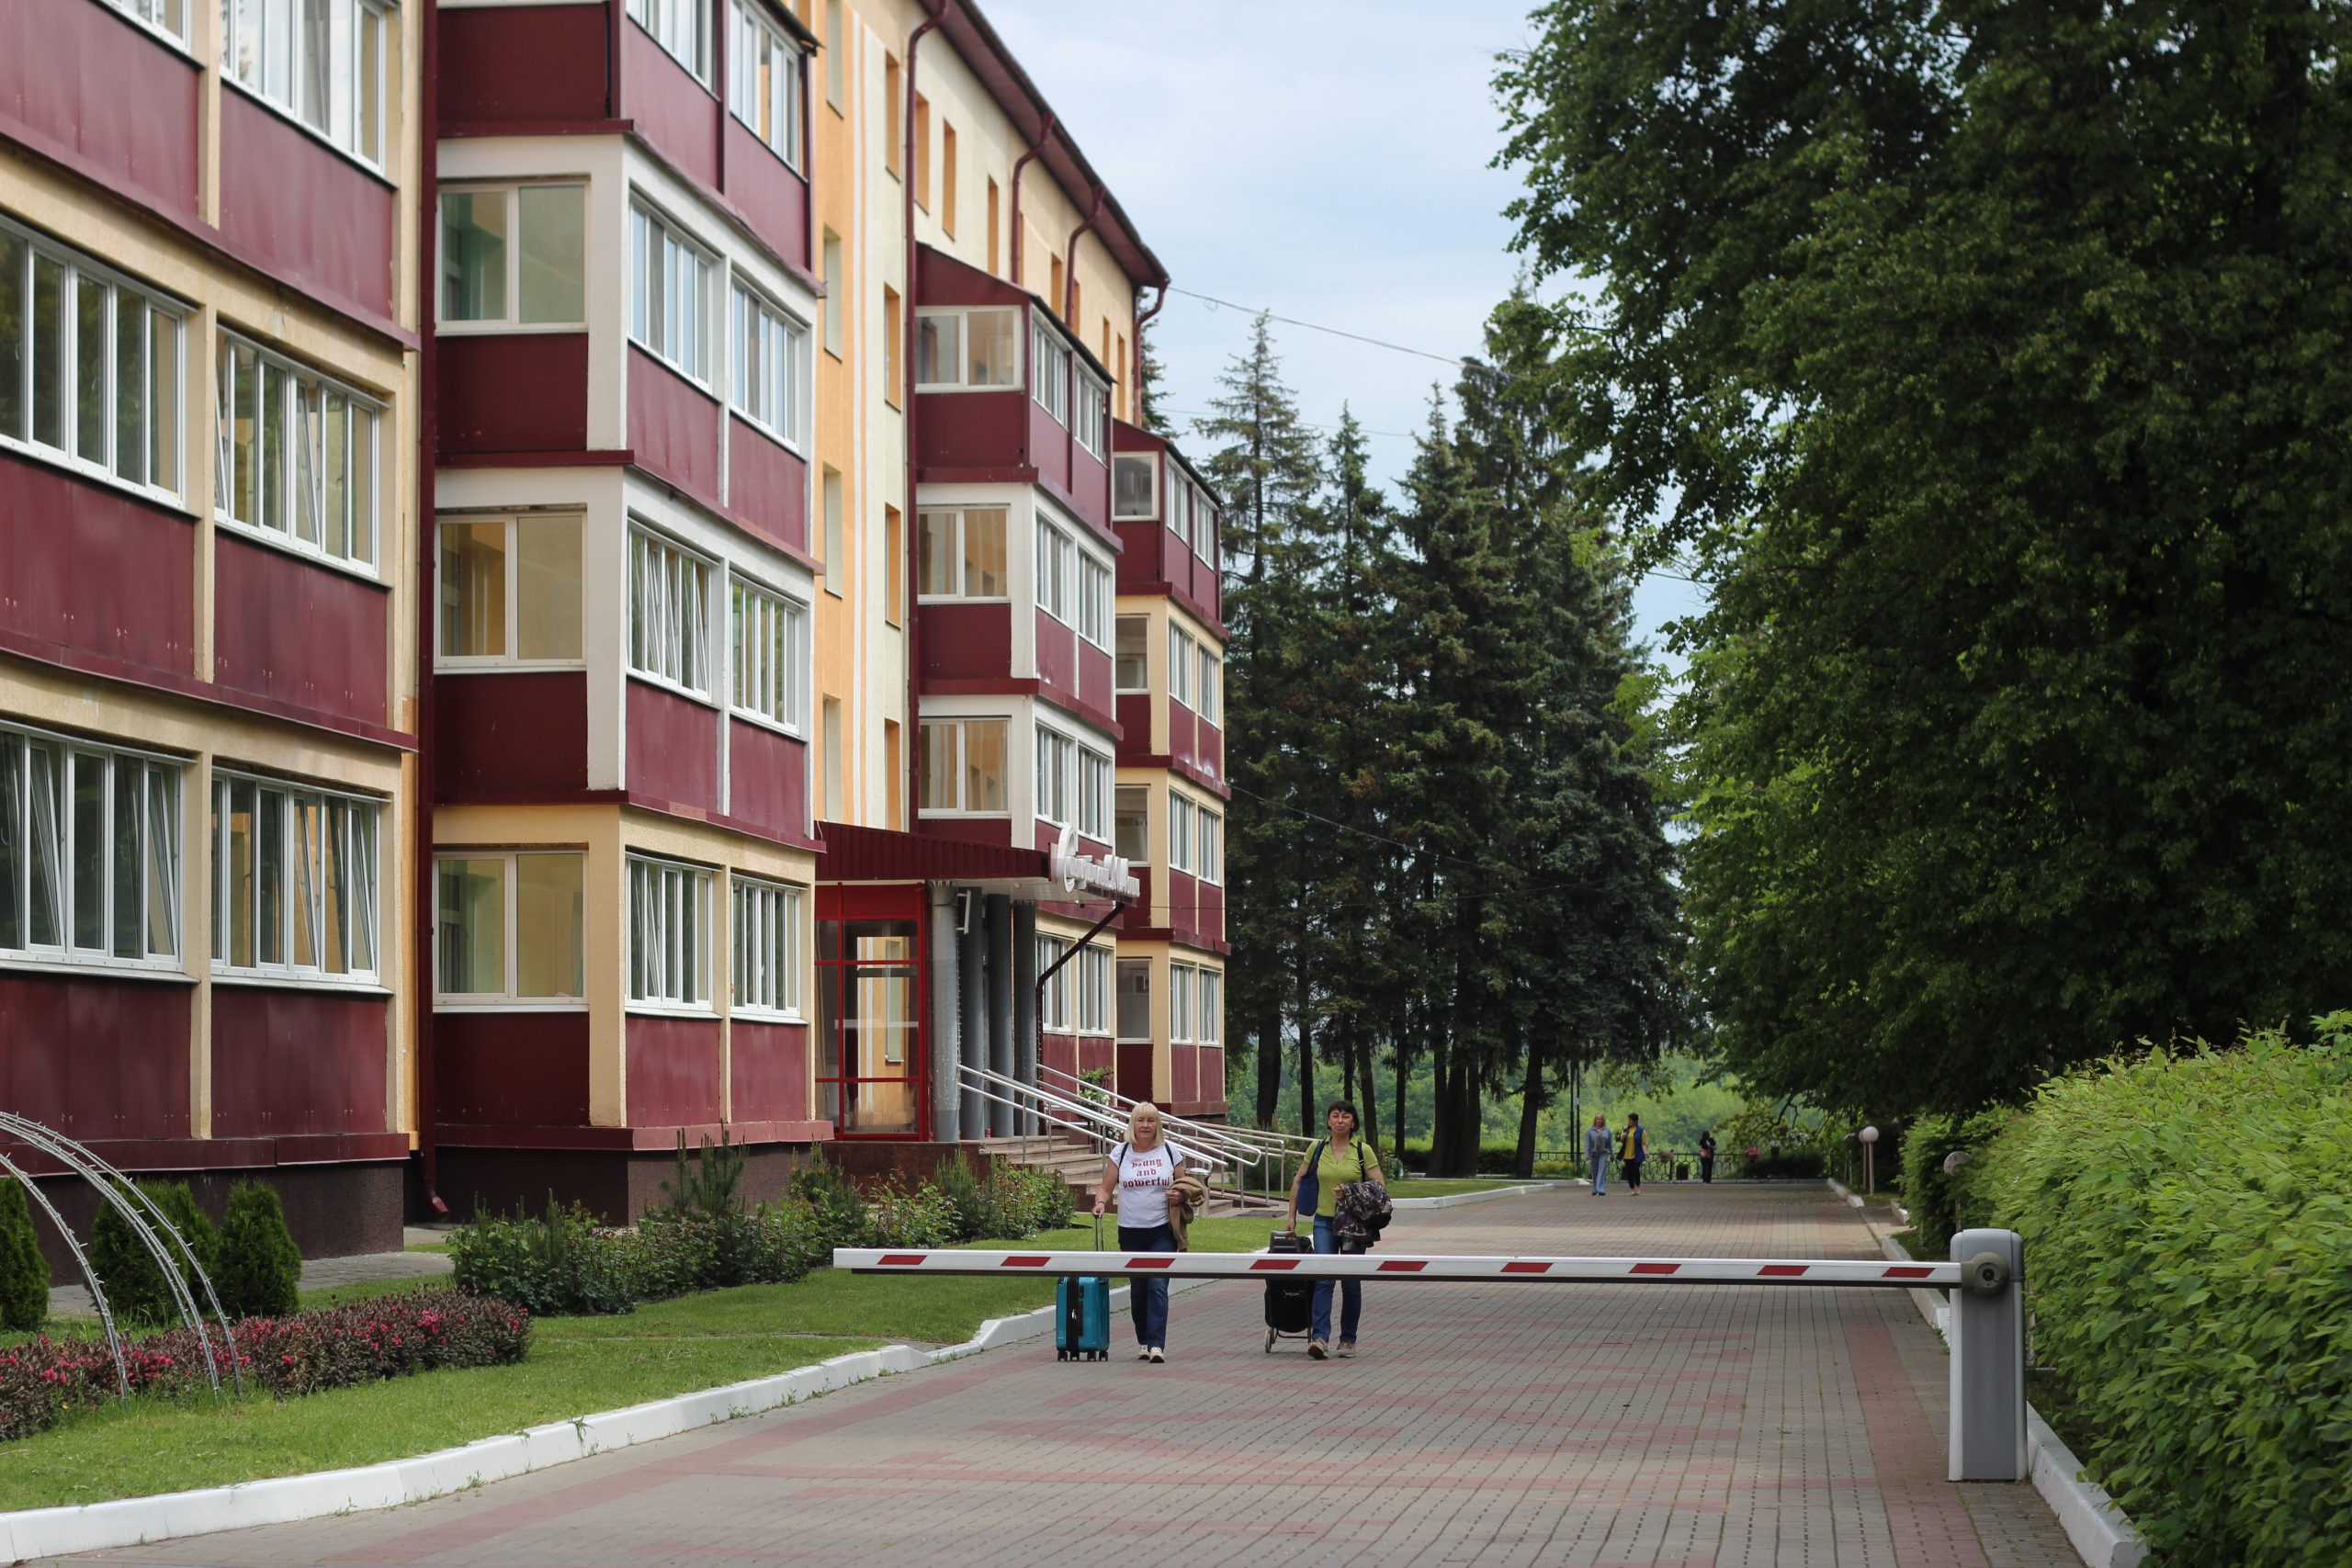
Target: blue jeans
1351, 1294
1147, 1293
1599, 1173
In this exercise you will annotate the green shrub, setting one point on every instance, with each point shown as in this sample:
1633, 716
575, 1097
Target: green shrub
839, 1207
972, 1203
705, 1196
1933, 1196
921, 1218
557, 1265
2188, 1223
136, 1288
24, 1273
260, 1268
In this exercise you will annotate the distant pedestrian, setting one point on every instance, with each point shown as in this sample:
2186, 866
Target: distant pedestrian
1333, 1163
1636, 1149
1707, 1157
1598, 1148
1143, 1173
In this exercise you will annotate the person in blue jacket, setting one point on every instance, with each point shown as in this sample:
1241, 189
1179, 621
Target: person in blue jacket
1635, 1148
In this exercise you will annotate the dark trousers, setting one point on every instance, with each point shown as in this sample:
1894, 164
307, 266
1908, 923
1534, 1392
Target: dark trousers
1706, 1167
1147, 1293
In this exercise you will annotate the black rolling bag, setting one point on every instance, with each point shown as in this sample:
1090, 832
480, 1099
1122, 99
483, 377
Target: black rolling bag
1290, 1303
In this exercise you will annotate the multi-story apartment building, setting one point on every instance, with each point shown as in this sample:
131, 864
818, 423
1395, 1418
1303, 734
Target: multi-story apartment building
210, 591
563, 588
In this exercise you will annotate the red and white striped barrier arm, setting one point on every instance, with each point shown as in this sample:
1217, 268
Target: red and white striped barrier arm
1367, 1266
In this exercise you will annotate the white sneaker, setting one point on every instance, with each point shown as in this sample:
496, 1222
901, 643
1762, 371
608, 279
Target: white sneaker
1155, 1354
1144, 1355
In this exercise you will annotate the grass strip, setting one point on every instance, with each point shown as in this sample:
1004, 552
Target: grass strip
1442, 1186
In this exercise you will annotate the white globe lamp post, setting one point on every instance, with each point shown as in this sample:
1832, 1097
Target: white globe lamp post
1869, 1161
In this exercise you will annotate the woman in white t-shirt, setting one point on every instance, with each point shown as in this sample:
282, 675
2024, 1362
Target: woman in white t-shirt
1142, 1172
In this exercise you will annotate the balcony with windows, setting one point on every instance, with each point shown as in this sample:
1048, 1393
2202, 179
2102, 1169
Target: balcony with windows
1016, 773
1170, 672
1004, 396
1167, 519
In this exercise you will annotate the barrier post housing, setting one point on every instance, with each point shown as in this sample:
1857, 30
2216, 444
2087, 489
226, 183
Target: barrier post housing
1988, 1357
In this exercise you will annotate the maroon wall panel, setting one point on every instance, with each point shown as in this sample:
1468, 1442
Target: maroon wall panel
972, 829
673, 110
64, 546
1209, 748
564, 45
1056, 656
1183, 902
1048, 442
510, 731
672, 1071
85, 80
305, 214
771, 779
1090, 486
974, 430
673, 426
511, 391
1134, 724
769, 193
673, 747
518, 1069
1175, 559
299, 632
1142, 914
1132, 1078
967, 641
1096, 1052
1138, 562
1182, 739
96, 1058
767, 1066
1211, 919
1095, 668
1183, 1074
1059, 1051
287, 1062
767, 486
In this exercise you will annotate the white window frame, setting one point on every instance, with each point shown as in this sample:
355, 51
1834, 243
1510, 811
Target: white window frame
1097, 600
1057, 570
151, 819
1095, 1005
148, 14
954, 554
1134, 965
507, 998
1181, 813
768, 945
283, 91
778, 401
1183, 665
743, 92
1208, 685
670, 928
291, 479
659, 325
960, 723
1093, 413
447, 326
362, 905
665, 22
444, 662
1145, 622
962, 315
1208, 845
1211, 989
1094, 786
1055, 1016
670, 641
1055, 780
1150, 461
1181, 1003
764, 687
1049, 372
73, 267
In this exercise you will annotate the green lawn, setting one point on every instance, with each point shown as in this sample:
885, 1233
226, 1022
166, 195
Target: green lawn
1440, 1186
577, 1366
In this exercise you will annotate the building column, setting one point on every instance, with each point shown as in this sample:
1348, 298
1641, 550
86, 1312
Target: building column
1001, 1117
972, 1003
1024, 1006
946, 1090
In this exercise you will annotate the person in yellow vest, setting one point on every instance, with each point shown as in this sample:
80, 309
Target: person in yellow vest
1339, 1159
1635, 1149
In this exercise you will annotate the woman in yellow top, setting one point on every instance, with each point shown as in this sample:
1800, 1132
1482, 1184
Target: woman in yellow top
1344, 1157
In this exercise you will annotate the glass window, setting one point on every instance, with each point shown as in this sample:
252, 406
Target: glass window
1094, 776
470, 919
1095, 599
770, 643
1208, 845
767, 947
164, 16
959, 554
510, 590
321, 60
669, 627
1051, 360
1055, 555
1133, 824
682, 27
964, 765
1094, 991
1057, 757
1180, 1002
297, 456
1053, 989
669, 933
669, 285
296, 879
1132, 476
771, 367
89, 852
1135, 999
89, 364
1179, 832
939, 336
1094, 416
968, 348
765, 89
1208, 684
473, 255
1183, 665
1212, 988
1131, 666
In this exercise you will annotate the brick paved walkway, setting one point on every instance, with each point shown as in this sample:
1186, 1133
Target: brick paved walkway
1507, 1424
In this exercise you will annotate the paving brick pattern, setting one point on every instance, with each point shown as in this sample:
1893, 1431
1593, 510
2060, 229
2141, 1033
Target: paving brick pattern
1518, 1424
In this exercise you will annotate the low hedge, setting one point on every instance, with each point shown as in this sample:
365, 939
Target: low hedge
390, 1336
1934, 1197
2188, 1220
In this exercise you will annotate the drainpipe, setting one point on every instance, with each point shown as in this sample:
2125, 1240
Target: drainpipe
1068, 305
427, 445
1142, 322
1045, 134
909, 526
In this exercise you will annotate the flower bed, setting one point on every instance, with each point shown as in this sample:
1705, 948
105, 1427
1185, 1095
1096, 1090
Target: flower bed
391, 1337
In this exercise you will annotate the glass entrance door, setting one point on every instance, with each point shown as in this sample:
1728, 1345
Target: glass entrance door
870, 1060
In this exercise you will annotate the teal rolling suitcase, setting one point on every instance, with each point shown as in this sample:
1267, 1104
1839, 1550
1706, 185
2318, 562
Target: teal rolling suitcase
1082, 1313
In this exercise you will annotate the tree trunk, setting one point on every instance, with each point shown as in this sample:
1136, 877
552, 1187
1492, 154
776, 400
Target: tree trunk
1530, 1112
1270, 1065
1404, 1064
1470, 1130
1370, 1105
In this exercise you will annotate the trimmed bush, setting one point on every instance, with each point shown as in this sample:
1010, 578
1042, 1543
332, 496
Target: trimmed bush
840, 1207
553, 1266
24, 1273
2187, 1221
921, 1218
260, 1268
136, 1288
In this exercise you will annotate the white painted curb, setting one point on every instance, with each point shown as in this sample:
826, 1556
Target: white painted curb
136, 1521
2098, 1530
1456, 1200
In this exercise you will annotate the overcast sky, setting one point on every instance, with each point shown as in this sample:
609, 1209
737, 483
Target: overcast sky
1325, 160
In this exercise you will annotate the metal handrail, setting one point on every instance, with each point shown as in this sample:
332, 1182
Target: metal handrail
1096, 1124
1267, 1139
1195, 1134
